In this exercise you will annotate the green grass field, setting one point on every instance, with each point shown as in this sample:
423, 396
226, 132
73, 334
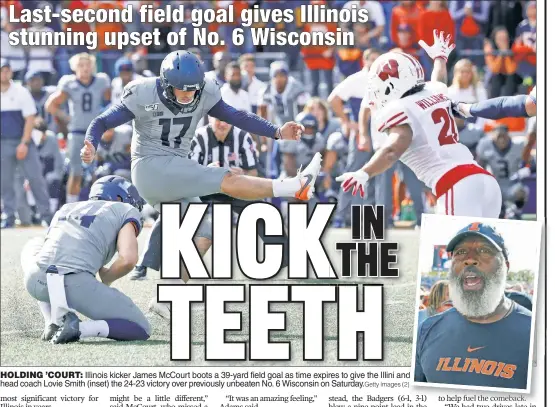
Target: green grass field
21, 322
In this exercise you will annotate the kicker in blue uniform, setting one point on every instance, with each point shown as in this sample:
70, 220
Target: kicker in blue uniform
165, 113
467, 345
60, 270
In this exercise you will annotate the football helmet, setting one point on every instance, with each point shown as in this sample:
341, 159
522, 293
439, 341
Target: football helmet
182, 70
117, 189
391, 76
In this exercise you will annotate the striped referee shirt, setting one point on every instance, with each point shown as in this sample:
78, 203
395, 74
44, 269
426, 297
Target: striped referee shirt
237, 150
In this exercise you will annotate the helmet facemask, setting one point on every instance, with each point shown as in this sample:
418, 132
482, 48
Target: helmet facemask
169, 94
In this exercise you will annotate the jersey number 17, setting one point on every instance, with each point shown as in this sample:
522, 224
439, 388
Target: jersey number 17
166, 124
448, 133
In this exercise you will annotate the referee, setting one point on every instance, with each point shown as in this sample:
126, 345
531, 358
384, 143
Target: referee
223, 145
484, 340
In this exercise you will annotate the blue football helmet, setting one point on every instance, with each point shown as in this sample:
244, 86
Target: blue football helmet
182, 70
307, 120
117, 189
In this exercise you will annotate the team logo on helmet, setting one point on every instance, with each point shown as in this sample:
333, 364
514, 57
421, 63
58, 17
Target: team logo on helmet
389, 69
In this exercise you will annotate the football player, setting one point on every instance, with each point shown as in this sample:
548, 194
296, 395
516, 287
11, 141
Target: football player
165, 111
60, 270
421, 132
87, 93
294, 154
502, 156
114, 152
41, 93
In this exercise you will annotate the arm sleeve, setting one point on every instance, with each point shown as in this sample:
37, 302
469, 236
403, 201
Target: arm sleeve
483, 15
28, 107
498, 108
243, 120
332, 144
106, 83
63, 83
456, 14
113, 117
344, 90
132, 215
392, 115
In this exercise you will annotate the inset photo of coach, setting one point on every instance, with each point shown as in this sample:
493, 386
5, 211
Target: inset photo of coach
475, 317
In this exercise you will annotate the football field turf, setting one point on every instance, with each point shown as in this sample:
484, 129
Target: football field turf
21, 322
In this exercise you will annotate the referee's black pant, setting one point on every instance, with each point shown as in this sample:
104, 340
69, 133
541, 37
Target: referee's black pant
237, 206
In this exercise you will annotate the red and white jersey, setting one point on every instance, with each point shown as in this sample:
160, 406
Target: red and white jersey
435, 147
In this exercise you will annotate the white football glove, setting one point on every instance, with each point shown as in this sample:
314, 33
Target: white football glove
440, 48
357, 180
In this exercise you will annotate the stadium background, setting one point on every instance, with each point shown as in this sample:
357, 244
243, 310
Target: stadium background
502, 69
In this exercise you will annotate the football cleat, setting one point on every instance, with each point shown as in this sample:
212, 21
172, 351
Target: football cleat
139, 273
49, 332
307, 178
69, 331
161, 309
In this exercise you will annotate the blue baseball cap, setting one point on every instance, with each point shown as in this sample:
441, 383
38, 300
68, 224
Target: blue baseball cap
4, 62
479, 229
123, 64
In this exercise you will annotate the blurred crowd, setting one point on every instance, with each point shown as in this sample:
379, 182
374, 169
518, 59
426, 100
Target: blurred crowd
495, 56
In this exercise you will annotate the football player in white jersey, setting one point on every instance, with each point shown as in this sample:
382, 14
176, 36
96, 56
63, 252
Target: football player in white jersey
421, 132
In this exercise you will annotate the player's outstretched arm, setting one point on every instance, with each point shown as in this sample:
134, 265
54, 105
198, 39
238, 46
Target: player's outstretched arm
254, 124
439, 72
399, 140
113, 117
128, 255
498, 108
439, 51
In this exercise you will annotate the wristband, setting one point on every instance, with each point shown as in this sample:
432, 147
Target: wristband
278, 137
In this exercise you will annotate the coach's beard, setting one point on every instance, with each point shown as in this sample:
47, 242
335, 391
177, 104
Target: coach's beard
479, 303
